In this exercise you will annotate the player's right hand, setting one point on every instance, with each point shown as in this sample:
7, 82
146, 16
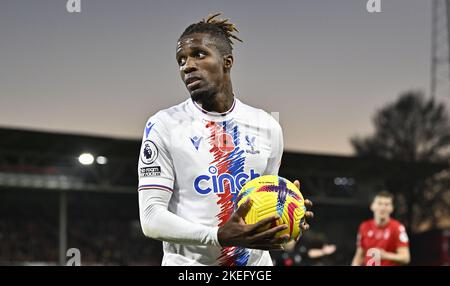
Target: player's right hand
235, 232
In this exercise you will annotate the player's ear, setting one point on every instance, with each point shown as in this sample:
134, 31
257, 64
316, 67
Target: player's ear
228, 62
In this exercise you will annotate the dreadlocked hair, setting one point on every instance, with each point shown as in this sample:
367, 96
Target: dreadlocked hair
219, 29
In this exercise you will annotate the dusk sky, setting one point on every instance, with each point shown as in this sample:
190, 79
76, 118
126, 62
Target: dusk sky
325, 65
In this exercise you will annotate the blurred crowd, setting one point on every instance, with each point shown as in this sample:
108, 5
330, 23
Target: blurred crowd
99, 242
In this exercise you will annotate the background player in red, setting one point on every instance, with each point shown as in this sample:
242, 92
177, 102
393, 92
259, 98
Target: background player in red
382, 241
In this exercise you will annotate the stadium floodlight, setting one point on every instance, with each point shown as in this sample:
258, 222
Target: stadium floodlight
86, 159
337, 181
101, 160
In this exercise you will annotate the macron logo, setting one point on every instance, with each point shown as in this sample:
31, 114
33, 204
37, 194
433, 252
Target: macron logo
148, 128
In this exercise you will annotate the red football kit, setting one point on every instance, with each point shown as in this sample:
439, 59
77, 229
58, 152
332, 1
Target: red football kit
388, 237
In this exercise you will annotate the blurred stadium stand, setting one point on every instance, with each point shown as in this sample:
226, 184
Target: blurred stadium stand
49, 202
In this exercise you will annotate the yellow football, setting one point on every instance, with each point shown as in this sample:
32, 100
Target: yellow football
274, 196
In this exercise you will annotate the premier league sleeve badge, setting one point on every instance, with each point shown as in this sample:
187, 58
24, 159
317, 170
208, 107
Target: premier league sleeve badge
149, 152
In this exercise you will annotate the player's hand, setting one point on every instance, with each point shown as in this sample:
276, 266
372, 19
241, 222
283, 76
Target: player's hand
308, 215
235, 232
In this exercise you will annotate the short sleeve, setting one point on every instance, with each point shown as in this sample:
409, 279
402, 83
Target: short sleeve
274, 161
155, 167
401, 236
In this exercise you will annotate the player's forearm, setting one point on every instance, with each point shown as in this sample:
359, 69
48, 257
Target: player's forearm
159, 223
166, 226
357, 260
401, 258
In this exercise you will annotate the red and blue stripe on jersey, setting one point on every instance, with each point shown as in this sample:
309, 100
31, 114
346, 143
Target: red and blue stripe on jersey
228, 159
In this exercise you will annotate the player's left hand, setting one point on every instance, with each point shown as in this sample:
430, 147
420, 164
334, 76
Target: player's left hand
308, 215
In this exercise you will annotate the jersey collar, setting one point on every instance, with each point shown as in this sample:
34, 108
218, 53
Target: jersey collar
214, 116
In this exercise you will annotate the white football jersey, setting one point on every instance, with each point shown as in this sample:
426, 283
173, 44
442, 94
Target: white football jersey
204, 159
